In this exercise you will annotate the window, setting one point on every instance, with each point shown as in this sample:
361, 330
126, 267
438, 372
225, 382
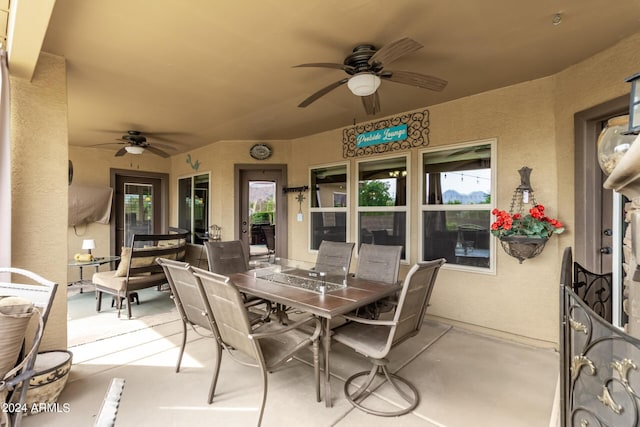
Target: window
382, 202
328, 204
456, 191
193, 206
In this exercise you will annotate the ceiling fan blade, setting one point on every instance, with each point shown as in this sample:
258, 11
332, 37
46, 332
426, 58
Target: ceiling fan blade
322, 92
415, 79
326, 65
106, 143
121, 152
163, 146
394, 50
371, 103
156, 151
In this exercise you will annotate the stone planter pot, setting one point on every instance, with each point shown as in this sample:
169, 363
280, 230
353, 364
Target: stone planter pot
522, 247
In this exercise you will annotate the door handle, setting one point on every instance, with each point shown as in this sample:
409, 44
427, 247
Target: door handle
605, 250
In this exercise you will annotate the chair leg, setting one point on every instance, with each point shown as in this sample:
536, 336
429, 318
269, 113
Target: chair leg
184, 343
128, 305
216, 371
98, 301
316, 367
359, 395
264, 393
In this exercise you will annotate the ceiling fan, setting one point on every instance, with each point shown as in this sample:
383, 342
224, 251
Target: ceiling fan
136, 143
365, 67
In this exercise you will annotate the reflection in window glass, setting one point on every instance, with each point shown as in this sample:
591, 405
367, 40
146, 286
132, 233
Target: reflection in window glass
193, 206
382, 182
456, 205
461, 237
382, 202
329, 199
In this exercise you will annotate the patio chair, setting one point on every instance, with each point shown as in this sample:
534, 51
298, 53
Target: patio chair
270, 239
189, 303
334, 257
268, 346
15, 382
382, 264
375, 338
229, 257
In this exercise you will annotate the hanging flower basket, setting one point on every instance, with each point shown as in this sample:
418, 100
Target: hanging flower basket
523, 247
523, 235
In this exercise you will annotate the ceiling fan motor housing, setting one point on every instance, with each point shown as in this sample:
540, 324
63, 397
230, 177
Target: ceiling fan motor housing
358, 60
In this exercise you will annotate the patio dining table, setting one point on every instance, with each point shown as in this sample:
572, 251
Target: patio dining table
297, 285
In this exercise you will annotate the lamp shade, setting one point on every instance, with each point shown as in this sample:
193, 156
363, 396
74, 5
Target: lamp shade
364, 84
88, 244
134, 149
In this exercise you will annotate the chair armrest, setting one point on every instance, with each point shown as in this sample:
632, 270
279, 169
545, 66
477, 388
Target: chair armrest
275, 332
369, 321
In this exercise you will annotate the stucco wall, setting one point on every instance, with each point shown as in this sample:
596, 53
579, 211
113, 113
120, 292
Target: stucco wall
92, 167
532, 122
39, 151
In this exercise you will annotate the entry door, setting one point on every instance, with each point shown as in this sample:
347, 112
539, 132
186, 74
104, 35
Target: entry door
261, 202
138, 208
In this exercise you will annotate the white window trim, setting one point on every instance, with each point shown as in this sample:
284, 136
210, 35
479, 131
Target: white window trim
405, 208
493, 142
346, 209
177, 193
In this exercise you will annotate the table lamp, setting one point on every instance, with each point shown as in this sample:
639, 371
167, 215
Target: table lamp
88, 244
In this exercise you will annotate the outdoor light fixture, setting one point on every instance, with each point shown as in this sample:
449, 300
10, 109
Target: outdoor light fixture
134, 149
364, 84
634, 105
88, 244
616, 138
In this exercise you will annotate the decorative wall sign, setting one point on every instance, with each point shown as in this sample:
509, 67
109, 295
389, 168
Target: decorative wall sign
382, 136
416, 134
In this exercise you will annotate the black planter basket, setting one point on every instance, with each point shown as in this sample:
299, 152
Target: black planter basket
522, 247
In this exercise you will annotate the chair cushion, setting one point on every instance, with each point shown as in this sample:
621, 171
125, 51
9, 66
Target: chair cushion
109, 279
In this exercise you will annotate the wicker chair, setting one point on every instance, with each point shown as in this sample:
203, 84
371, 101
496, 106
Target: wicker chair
14, 383
375, 338
269, 345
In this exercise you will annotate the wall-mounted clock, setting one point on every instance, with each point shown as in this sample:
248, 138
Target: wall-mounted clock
260, 151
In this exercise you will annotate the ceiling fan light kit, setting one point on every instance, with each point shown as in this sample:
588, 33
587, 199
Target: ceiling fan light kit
134, 149
364, 84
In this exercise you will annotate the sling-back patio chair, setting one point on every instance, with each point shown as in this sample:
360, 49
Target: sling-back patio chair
375, 338
269, 346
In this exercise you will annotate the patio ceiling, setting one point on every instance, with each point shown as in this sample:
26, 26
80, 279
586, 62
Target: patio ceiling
202, 71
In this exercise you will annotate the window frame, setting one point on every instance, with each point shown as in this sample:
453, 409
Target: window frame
345, 209
423, 207
405, 208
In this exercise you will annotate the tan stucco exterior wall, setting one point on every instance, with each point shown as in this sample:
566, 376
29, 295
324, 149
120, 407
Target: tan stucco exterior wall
39, 152
532, 123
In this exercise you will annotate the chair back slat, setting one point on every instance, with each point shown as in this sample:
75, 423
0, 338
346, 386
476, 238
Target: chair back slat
226, 257
334, 257
185, 292
226, 305
414, 299
379, 263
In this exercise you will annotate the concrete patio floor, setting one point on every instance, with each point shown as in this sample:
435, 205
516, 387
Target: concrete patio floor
464, 379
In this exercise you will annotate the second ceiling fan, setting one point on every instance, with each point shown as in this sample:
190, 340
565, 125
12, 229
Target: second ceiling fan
365, 67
